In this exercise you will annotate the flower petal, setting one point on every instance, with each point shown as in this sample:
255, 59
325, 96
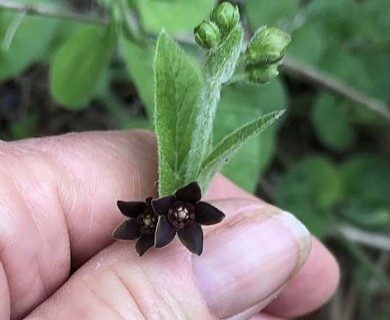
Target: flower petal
207, 214
131, 209
144, 243
161, 206
128, 230
192, 238
190, 193
164, 232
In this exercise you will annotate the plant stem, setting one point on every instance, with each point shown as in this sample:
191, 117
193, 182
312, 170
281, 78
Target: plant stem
51, 11
365, 261
333, 85
373, 240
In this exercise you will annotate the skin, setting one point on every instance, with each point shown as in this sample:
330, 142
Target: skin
57, 211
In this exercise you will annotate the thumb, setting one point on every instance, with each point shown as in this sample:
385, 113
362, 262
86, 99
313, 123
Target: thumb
255, 250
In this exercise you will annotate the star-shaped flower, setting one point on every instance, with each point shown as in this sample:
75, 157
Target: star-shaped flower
142, 224
183, 213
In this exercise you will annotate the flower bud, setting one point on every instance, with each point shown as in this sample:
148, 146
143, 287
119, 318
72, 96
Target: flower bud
207, 34
261, 74
226, 16
267, 46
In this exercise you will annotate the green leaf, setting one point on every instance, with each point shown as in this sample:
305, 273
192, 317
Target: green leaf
347, 67
378, 69
178, 86
25, 128
275, 12
173, 15
342, 20
240, 104
331, 124
139, 62
367, 183
138, 123
29, 44
79, 65
308, 43
310, 190
231, 143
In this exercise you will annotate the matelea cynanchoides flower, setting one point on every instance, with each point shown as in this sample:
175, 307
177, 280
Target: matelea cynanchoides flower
225, 16
182, 213
141, 224
267, 46
207, 34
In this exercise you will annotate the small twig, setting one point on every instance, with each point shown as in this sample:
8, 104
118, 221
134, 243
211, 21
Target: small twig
373, 240
333, 85
50, 11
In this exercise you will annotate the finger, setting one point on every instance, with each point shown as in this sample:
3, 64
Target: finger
258, 250
223, 188
305, 292
255, 250
4, 295
313, 285
58, 201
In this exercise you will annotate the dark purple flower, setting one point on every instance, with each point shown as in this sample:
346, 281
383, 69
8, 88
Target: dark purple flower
142, 224
183, 213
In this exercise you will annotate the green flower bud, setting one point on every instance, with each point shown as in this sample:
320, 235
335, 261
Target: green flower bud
226, 16
267, 46
261, 74
207, 34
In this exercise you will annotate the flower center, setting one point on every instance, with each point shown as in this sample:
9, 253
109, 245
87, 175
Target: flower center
147, 221
181, 214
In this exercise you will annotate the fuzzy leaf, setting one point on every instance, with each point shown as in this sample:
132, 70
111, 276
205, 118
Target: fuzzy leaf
178, 87
231, 143
79, 65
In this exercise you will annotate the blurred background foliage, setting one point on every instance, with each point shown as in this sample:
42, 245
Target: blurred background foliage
76, 65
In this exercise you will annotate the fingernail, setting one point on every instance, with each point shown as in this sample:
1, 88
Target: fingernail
301, 236
249, 256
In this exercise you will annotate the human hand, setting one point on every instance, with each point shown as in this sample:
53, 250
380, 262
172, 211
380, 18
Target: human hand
57, 211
